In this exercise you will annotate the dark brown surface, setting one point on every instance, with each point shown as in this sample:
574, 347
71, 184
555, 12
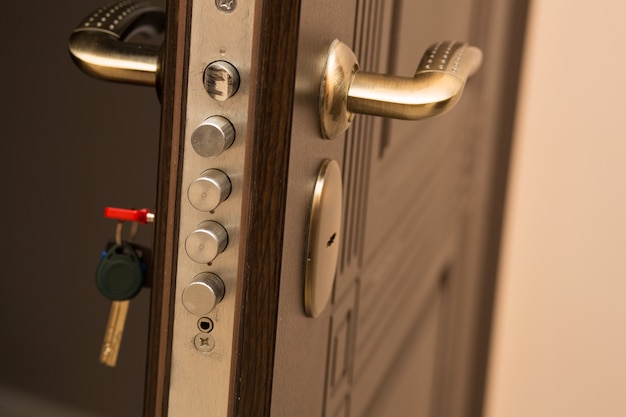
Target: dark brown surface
71, 146
173, 73
267, 159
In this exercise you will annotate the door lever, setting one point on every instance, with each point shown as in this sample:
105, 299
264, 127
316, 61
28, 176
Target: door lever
99, 45
434, 89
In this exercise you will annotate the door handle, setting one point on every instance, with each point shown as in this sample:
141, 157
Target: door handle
434, 89
100, 44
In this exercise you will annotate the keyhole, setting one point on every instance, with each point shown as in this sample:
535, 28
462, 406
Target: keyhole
331, 240
205, 324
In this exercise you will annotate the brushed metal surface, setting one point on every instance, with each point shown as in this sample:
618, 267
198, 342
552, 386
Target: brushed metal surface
213, 136
324, 238
209, 190
200, 379
435, 88
341, 66
204, 293
205, 243
98, 45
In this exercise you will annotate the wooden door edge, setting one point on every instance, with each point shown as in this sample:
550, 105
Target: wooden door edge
173, 82
267, 163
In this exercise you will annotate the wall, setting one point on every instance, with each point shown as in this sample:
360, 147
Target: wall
559, 346
70, 146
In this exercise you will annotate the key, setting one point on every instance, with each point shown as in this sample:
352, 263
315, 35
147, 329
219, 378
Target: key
119, 277
114, 331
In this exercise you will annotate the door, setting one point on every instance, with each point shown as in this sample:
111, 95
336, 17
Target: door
401, 323
405, 328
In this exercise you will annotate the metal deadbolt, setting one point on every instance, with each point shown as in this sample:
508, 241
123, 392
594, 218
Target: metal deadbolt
213, 136
209, 190
203, 294
206, 242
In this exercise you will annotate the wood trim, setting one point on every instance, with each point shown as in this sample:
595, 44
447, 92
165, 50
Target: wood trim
172, 86
267, 162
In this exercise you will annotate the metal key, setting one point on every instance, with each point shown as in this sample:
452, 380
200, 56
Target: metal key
114, 331
119, 277
127, 269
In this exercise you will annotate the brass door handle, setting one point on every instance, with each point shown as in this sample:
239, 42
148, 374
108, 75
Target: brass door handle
434, 89
99, 45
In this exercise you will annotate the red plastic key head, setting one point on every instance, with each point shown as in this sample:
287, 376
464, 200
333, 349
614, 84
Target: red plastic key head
131, 215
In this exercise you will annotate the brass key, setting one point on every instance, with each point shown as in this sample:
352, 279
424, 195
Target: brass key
119, 277
114, 331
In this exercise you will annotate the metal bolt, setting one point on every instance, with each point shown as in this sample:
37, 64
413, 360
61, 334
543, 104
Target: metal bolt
226, 6
204, 342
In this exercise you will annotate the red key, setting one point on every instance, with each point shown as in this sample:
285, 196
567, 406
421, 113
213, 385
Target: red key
141, 216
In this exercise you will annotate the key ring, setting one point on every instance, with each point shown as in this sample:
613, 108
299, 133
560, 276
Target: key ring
142, 216
118, 232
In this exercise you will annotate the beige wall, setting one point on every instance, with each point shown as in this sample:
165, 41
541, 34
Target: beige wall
559, 345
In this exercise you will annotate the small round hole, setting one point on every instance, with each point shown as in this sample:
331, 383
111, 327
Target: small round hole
205, 324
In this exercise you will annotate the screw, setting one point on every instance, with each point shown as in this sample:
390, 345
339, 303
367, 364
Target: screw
226, 6
204, 342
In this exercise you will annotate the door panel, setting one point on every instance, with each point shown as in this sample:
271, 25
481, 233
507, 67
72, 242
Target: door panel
401, 284
403, 188
404, 328
408, 384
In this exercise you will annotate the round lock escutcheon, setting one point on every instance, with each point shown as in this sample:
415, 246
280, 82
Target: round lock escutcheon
324, 238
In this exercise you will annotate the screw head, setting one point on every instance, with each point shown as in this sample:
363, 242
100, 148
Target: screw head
226, 6
204, 342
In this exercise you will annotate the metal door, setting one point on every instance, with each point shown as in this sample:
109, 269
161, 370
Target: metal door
405, 328
405, 332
